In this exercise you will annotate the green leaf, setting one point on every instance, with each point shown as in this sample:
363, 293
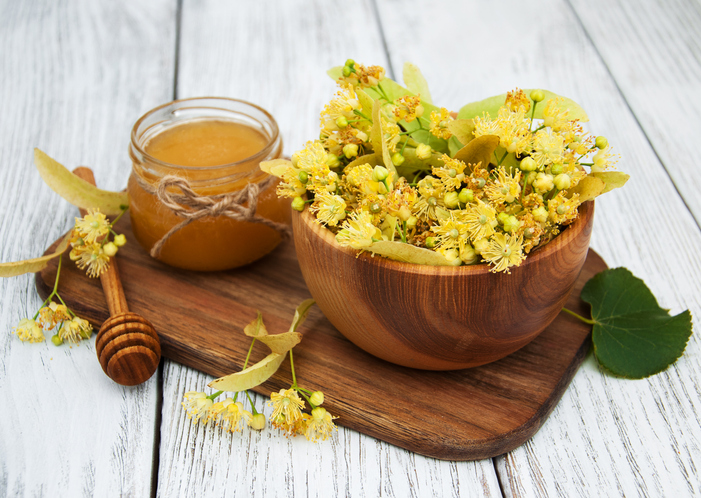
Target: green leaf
378, 141
612, 179
588, 188
462, 129
256, 328
491, 106
415, 82
281, 343
407, 253
479, 150
251, 376
76, 190
33, 265
365, 101
370, 159
633, 337
301, 313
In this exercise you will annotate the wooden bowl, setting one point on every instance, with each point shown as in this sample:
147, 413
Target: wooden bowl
439, 318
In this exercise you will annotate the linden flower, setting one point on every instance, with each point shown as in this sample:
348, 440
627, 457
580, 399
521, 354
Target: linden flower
554, 117
229, 415
451, 174
405, 108
29, 331
366, 76
562, 210
320, 425
486, 126
358, 232
312, 158
287, 408
517, 100
548, 148
514, 134
451, 233
480, 220
290, 184
390, 133
75, 330
505, 187
439, 123
504, 251
92, 257
197, 406
330, 209
92, 226
52, 315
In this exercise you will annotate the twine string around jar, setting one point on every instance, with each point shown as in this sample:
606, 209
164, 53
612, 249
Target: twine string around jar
240, 205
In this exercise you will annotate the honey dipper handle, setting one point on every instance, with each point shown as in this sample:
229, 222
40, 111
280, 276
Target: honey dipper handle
111, 283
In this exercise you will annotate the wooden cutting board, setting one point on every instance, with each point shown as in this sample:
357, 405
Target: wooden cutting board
461, 415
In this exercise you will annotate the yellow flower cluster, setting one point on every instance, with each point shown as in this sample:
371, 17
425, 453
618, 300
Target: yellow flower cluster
54, 316
91, 247
487, 189
288, 416
229, 414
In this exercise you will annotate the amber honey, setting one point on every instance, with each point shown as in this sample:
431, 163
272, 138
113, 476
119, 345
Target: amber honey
216, 145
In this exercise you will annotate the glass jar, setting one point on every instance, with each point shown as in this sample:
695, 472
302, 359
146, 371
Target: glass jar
211, 242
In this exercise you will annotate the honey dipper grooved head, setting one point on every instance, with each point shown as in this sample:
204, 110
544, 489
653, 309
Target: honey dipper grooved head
128, 349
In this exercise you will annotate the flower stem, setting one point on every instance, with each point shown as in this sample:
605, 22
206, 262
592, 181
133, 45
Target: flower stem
117, 218
532, 114
212, 396
292, 368
253, 407
585, 320
249, 353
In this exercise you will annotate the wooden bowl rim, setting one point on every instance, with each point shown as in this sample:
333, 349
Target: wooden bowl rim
569, 233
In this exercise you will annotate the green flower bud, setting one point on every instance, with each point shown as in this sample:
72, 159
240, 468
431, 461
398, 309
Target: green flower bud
451, 200
511, 223
303, 176
556, 169
317, 398
537, 95
419, 111
480, 182
346, 71
432, 201
466, 195
423, 151
350, 150
562, 209
562, 181
379, 173
411, 222
120, 240
341, 122
110, 249
397, 159
375, 207
332, 161
257, 422
430, 242
502, 217
350, 62
601, 142
56, 340
528, 164
454, 234
540, 214
294, 159
298, 204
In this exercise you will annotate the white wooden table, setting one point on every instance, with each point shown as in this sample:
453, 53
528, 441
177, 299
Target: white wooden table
75, 75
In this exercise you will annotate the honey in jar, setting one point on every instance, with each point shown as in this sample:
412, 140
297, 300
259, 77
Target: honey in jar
215, 145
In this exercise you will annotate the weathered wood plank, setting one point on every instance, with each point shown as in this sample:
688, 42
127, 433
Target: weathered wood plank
276, 56
607, 436
74, 76
653, 51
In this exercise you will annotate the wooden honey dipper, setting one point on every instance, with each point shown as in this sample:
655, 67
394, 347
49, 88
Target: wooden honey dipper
127, 345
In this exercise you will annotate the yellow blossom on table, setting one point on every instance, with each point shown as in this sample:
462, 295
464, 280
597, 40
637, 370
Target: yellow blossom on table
358, 231
505, 188
480, 220
92, 257
439, 123
229, 414
92, 226
197, 406
75, 330
320, 425
503, 252
287, 408
52, 315
290, 185
29, 331
329, 208
405, 107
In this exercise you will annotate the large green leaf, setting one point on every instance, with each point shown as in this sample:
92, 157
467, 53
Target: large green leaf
250, 377
415, 82
479, 150
491, 106
612, 179
76, 190
633, 337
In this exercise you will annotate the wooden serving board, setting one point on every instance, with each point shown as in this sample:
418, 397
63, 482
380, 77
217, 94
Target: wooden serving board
460, 415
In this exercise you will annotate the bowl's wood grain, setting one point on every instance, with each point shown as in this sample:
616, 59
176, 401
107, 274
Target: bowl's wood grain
459, 415
439, 318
